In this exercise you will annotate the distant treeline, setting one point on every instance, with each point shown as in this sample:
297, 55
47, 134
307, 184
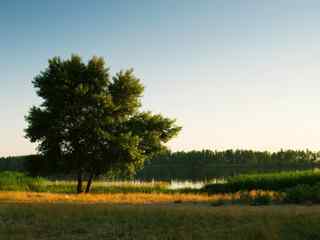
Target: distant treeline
207, 164
197, 165
17, 163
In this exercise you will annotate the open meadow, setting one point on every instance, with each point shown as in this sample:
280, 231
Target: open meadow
66, 221
38, 208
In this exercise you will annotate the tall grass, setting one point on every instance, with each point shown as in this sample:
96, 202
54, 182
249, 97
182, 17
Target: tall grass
16, 181
267, 181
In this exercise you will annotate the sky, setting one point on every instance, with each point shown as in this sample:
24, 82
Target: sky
235, 74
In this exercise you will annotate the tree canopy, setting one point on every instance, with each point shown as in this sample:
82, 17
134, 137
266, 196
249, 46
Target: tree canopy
90, 123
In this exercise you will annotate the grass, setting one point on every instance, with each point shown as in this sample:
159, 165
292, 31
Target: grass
16, 181
267, 181
115, 198
180, 221
252, 198
36, 208
128, 191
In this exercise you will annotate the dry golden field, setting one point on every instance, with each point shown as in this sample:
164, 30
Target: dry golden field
115, 198
120, 198
47, 216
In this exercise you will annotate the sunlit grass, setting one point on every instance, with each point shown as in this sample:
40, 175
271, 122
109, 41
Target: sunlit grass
127, 198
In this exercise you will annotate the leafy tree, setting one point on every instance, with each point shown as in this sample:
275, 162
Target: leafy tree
90, 123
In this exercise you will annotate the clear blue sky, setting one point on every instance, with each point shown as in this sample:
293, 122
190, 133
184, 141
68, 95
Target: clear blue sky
235, 74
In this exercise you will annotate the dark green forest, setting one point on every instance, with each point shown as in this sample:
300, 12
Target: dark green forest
196, 165
207, 164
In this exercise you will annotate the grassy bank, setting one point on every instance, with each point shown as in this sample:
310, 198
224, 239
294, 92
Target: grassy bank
16, 181
263, 189
266, 181
74, 221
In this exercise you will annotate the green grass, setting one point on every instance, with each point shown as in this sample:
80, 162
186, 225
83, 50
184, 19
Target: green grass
16, 181
267, 181
174, 220
75, 221
287, 187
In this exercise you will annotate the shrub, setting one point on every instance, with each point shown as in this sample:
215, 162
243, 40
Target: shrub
268, 181
303, 194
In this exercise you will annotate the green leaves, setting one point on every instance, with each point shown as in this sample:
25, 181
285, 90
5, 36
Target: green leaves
38, 124
93, 122
126, 91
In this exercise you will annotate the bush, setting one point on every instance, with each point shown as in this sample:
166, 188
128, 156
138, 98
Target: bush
303, 194
268, 181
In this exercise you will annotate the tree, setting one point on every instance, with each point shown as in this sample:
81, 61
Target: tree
89, 123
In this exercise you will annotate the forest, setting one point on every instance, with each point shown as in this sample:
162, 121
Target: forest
208, 164
193, 165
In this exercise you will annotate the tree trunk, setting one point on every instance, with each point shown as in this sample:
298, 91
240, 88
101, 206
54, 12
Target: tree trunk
89, 183
79, 187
